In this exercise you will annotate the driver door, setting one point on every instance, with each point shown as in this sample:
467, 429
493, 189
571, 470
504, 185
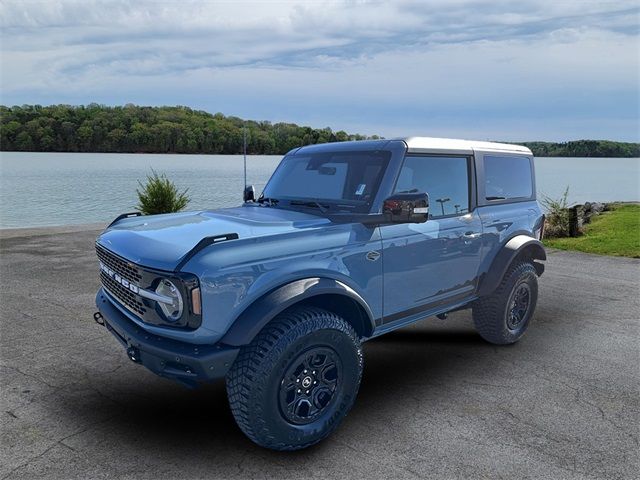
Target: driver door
432, 264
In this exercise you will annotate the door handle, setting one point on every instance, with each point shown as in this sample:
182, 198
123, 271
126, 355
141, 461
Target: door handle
471, 235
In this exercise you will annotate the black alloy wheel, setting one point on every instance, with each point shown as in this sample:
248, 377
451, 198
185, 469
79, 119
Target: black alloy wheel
309, 385
296, 381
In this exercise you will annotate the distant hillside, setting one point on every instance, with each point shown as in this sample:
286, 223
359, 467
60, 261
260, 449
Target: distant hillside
584, 148
135, 129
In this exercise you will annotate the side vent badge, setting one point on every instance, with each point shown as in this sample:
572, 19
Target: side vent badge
373, 256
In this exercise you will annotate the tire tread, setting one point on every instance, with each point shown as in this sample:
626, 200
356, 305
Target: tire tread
488, 311
262, 353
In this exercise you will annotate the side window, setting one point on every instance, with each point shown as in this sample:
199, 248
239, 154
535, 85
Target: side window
445, 179
507, 177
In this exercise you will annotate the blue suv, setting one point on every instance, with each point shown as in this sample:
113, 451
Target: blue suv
348, 241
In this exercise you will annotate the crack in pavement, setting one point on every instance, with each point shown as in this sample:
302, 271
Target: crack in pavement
56, 443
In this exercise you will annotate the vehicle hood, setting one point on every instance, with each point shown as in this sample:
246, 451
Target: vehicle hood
161, 241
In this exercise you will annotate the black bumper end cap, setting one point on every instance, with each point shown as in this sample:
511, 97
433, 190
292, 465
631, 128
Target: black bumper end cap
187, 363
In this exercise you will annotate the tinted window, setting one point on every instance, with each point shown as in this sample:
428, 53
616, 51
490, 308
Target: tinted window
344, 178
507, 177
445, 179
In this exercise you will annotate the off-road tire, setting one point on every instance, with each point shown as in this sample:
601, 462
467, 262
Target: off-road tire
491, 314
257, 377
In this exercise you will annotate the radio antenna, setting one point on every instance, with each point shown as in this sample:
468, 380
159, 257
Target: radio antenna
244, 149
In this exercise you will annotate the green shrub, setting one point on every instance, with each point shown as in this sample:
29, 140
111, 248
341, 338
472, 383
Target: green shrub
614, 232
160, 195
557, 215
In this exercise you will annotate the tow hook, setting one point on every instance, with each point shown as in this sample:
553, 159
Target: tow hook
134, 354
98, 318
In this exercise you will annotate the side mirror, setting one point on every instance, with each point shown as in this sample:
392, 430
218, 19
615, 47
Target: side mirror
407, 208
249, 194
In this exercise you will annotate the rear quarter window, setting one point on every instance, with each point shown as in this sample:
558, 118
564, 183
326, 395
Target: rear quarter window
507, 178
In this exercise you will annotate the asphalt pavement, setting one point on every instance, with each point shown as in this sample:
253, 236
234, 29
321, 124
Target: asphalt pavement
436, 401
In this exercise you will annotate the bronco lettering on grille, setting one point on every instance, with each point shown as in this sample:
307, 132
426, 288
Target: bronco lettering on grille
122, 281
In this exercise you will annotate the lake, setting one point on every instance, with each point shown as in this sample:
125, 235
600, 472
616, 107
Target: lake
45, 189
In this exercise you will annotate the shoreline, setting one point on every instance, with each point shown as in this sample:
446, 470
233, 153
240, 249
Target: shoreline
250, 154
50, 230
186, 154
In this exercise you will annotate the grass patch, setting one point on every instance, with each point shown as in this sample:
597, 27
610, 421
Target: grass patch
616, 232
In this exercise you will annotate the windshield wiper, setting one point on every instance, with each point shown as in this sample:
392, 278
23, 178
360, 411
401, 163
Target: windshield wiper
496, 198
310, 203
272, 202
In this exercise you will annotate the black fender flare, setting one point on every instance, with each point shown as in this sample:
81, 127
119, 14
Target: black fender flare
516, 246
263, 310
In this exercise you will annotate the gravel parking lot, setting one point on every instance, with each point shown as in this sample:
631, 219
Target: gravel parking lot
436, 401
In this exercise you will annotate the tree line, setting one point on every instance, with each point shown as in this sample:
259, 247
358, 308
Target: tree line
584, 148
137, 129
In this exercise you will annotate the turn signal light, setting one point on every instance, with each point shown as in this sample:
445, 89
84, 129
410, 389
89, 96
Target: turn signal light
196, 304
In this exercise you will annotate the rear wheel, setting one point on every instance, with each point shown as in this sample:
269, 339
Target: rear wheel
503, 316
293, 385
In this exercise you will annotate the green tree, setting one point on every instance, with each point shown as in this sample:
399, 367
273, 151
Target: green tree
24, 142
8, 134
84, 138
160, 195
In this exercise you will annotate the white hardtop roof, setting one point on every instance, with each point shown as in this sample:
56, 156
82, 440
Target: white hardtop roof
442, 145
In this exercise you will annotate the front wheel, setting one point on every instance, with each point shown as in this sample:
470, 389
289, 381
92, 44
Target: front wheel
294, 383
503, 317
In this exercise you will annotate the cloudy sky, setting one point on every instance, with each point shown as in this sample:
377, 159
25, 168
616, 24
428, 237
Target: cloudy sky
512, 70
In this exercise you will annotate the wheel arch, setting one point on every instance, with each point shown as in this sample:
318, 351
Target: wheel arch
329, 294
520, 247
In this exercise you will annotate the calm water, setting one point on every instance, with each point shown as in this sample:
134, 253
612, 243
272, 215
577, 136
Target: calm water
41, 189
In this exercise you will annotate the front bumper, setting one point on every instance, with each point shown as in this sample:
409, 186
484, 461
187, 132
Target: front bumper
185, 362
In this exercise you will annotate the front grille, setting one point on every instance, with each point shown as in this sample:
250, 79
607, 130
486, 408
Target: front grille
125, 270
124, 295
118, 265
116, 271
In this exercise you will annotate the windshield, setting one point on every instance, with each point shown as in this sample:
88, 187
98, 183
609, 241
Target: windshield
331, 180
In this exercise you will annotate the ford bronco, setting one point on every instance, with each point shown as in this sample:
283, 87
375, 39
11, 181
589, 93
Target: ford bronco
348, 241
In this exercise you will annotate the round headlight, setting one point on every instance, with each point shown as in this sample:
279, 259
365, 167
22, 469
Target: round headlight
173, 310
